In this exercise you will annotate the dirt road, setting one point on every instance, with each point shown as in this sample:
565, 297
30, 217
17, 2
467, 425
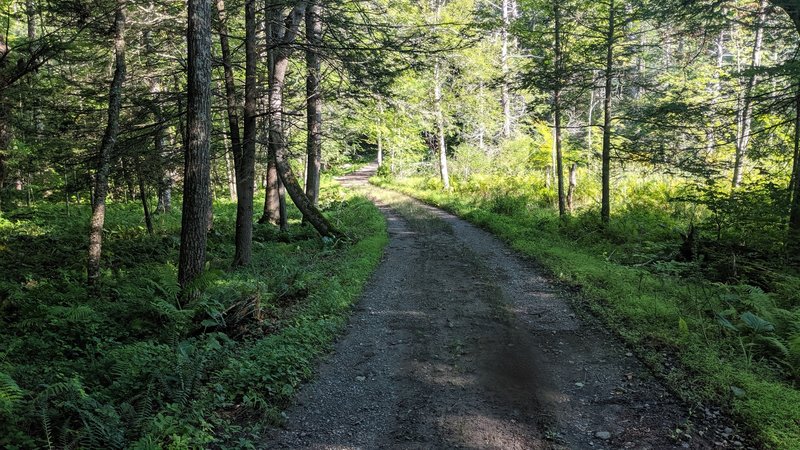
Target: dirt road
458, 343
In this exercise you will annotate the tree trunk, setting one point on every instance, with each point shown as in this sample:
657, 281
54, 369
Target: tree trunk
573, 183
148, 220
605, 208
793, 180
106, 147
590, 118
271, 202
504, 88
314, 100
196, 204
380, 133
156, 90
744, 116
5, 143
230, 177
557, 110
437, 98
283, 215
277, 138
794, 185
274, 196
245, 166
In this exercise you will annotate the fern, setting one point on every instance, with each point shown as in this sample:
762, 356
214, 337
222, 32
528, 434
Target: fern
10, 393
46, 425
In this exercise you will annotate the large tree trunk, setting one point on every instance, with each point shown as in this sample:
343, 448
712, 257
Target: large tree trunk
792, 8
275, 195
794, 184
314, 100
605, 207
744, 116
196, 199
277, 138
557, 110
106, 147
245, 166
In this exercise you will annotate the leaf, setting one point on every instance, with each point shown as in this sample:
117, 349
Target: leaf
774, 344
757, 324
725, 323
10, 392
683, 327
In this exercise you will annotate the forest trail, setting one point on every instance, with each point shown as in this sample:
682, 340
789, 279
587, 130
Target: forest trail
458, 343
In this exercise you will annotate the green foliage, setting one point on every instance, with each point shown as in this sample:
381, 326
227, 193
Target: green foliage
134, 368
10, 394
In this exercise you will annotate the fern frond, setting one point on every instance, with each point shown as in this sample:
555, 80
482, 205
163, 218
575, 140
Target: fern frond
10, 393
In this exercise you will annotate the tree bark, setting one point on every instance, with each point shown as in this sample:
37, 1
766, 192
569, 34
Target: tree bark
380, 132
744, 116
5, 143
605, 208
504, 88
590, 118
573, 183
275, 196
196, 204
106, 148
230, 176
557, 109
314, 100
148, 220
245, 167
277, 139
794, 185
792, 8
437, 98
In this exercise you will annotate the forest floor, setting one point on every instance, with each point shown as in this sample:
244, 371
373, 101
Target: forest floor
457, 342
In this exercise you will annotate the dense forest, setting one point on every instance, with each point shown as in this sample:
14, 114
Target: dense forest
175, 253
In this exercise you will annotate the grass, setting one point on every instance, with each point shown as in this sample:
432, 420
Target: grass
133, 369
672, 321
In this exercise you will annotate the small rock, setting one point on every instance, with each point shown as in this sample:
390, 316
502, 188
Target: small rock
728, 430
604, 435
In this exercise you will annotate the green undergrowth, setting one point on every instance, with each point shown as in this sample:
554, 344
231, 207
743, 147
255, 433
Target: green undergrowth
134, 369
733, 345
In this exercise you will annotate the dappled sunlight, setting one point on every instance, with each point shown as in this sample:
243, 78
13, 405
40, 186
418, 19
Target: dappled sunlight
442, 374
479, 431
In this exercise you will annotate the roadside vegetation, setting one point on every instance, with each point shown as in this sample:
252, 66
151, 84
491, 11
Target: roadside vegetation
720, 328
135, 368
